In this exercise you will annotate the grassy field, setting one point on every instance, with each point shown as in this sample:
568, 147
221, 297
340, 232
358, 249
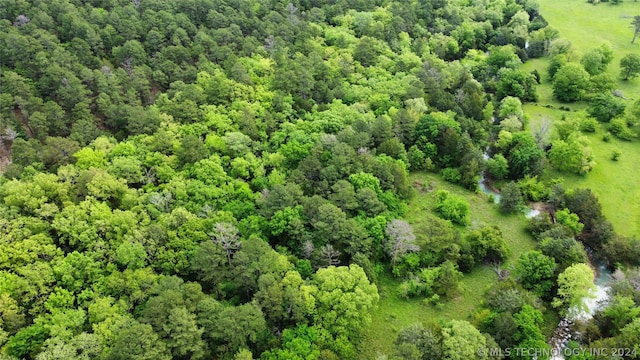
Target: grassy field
614, 182
395, 312
587, 27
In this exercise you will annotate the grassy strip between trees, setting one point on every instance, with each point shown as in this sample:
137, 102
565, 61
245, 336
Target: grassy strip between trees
395, 312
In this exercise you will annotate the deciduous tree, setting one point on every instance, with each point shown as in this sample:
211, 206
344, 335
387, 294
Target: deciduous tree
400, 239
574, 284
630, 66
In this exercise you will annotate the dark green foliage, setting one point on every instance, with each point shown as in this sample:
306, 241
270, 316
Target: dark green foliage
424, 342
191, 150
630, 66
597, 230
510, 198
27, 342
622, 249
605, 107
555, 64
137, 341
498, 167
539, 224
523, 155
565, 251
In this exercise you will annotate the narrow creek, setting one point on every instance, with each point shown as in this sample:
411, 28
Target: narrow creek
564, 333
598, 299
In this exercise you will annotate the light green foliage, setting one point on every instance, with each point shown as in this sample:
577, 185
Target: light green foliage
528, 334
570, 83
615, 155
574, 284
570, 220
365, 180
596, 60
344, 299
131, 255
573, 155
511, 106
300, 343
88, 157
452, 207
296, 123
621, 312
461, 341
533, 189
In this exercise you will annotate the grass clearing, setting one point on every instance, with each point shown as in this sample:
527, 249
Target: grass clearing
395, 312
587, 27
614, 182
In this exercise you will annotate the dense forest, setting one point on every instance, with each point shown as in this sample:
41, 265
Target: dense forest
226, 179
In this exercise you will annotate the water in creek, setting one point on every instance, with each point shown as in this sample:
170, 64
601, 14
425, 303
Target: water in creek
482, 185
599, 298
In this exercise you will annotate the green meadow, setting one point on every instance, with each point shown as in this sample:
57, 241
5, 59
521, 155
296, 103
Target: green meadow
395, 312
588, 26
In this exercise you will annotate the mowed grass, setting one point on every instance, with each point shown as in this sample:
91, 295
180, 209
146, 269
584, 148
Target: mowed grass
588, 26
395, 312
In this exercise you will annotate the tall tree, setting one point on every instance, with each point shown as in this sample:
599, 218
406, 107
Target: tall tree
574, 284
226, 236
400, 239
570, 82
344, 300
536, 272
461, 341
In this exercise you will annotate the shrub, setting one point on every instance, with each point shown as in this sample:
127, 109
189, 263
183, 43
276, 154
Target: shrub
451, 175
452, 207
619, 128
615, 155
588, 125
532, 188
